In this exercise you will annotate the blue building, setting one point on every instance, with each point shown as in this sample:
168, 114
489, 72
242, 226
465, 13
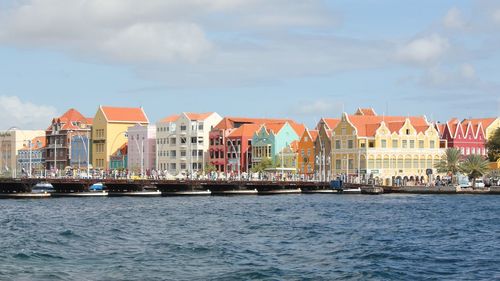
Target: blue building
79, 155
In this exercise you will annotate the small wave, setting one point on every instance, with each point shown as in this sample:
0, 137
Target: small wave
21, 256
68, 233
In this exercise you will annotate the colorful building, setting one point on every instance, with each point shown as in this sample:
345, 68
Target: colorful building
287, 158
393, 149
219, 146
322, 148
183, 142
109, 131
306, 152
490, 125
118, 160
142, 148
271, 138
31, 158
59, 136
79, 155
237, 153
11, 141
465, 135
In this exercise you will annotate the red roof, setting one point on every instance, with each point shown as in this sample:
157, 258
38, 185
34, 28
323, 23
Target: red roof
229, 122
245, 130
331, 122
171, 118
36, 143
198, 116
367, 125
486, 122
70, 120
125, 114
366, 112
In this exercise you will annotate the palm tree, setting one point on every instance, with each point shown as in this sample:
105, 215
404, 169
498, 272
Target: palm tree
449, 163
474, 166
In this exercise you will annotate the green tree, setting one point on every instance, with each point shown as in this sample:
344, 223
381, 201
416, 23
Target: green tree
209, 168
263, 165
493, 146
474, 166
449, 163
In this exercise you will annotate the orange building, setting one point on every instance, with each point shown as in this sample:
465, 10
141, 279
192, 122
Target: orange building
306, 148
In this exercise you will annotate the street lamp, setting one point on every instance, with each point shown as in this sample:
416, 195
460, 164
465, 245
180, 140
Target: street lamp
238, 156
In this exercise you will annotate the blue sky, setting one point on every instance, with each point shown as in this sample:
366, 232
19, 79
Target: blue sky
301, 59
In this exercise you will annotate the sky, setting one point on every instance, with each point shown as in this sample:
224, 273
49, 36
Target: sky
256, 58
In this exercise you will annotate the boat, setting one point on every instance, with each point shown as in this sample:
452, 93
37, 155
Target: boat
356, 190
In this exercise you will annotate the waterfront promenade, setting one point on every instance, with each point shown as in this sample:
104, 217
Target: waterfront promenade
10, 188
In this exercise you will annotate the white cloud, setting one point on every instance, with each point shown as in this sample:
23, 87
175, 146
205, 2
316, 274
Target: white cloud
468, 71
460, 77
423, 50
318, 108
453, 19
496, 16
23, 114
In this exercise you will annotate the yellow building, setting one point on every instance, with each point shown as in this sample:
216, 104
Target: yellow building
109, 131
387, 148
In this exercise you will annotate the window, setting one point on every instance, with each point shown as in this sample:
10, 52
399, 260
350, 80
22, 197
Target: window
200, 127
183, 127
350, 144
407, 131
343, 131
183, 153
194, 140
412, 144
420, 144
404, 144
337, 144
383, 143
183, 140
338, 164
431, 144
371, 144
394, 143
183, 166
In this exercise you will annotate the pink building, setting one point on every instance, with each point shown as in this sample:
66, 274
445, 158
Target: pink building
464, 135
141, 148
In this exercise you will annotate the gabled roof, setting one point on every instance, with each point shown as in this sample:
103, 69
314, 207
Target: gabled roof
232, 122
366, 112
367, 125
312, 134
69, 119
440, 128
246, 130
198, 116
171, 118
125, 114
123, 149
36, 143
486, 122
331, 123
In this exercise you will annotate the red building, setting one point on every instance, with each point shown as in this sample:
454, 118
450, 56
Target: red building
239, 148
58, 138
218, 152
467, 136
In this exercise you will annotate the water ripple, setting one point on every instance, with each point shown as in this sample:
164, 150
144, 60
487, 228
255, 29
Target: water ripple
295, 237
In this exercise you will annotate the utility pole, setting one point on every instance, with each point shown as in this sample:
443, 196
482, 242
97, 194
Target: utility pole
29, 172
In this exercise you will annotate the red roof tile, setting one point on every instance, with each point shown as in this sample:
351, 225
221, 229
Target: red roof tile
125, 114
246, 130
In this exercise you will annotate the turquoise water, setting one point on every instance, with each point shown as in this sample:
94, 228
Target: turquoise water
290, 237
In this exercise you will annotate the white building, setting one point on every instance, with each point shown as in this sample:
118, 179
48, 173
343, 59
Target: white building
11, 141
141, 148
183, 140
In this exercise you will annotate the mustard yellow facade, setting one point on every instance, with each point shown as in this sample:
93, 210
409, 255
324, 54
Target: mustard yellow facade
490, 130
107, 137
390, 151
